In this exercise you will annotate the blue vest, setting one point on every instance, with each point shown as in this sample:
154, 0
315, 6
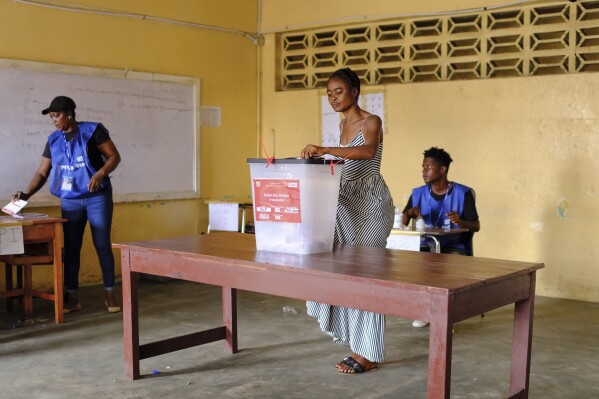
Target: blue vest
433, 211
71, 169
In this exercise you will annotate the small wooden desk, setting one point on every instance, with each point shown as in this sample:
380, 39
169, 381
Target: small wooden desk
439, 231
47, 231
429, 233
441, 289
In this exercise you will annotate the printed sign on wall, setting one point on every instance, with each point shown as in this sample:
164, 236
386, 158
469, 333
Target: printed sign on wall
277, 200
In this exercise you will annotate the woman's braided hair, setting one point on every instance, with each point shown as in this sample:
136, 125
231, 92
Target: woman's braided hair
349, 77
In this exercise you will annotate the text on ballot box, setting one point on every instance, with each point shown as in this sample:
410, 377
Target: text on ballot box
283, 221
11, 240
277, 200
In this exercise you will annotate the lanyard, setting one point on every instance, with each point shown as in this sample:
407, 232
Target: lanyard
69, 146
430, 198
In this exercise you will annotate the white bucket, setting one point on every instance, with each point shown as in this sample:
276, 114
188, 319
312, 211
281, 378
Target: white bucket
295, 204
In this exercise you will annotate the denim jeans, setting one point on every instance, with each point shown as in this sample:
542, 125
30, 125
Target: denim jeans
98, 210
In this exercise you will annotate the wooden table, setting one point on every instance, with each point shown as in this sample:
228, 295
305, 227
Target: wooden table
42, 238
441, 289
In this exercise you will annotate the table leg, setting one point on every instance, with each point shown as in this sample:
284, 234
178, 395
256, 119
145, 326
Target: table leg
58, 283
522, 343
8, 285
19, 269
440, 345
130, 318
437, 244
28, 297
230, 318
242, 218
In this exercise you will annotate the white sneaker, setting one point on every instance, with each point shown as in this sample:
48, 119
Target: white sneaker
419, 323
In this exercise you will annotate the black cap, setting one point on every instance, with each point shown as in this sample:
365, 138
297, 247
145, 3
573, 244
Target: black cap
60, 103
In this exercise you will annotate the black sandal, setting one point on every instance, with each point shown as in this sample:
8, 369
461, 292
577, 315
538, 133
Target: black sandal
353, 364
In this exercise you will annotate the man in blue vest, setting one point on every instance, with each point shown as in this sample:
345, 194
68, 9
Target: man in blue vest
442, 203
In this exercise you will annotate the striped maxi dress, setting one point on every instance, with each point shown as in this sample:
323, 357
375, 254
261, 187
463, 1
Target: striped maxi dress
364, 218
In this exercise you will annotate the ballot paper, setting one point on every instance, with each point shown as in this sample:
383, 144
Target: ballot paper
12, 208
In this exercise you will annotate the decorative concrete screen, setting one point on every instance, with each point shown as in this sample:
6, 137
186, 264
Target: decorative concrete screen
539, 39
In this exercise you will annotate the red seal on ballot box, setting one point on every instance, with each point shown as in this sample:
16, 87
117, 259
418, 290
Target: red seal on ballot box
277, 200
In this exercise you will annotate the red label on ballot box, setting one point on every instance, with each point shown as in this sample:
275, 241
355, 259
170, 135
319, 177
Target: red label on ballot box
277, 200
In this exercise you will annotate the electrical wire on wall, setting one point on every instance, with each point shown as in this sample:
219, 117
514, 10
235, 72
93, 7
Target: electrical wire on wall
358, 18
87, 10
255, 37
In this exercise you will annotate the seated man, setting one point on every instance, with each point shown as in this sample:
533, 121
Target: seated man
442, 203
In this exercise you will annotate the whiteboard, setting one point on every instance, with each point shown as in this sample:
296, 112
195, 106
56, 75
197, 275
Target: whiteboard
153, 120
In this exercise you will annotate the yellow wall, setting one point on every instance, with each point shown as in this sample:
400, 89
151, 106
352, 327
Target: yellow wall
225, 64
527, 146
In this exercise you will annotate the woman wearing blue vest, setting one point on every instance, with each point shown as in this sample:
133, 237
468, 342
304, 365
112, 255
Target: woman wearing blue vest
77, 160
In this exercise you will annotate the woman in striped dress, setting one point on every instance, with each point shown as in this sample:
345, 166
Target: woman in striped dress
364, 217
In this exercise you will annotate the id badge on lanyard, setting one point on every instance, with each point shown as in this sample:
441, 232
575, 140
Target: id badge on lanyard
67, 183
67, 178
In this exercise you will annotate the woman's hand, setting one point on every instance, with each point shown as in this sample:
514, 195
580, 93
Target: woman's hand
96, 181
20, 196
311, 151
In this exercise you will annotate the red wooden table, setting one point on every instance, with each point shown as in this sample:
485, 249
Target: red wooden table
440, 289
48, 232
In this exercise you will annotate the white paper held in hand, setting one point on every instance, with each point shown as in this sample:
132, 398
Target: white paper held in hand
12, 208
